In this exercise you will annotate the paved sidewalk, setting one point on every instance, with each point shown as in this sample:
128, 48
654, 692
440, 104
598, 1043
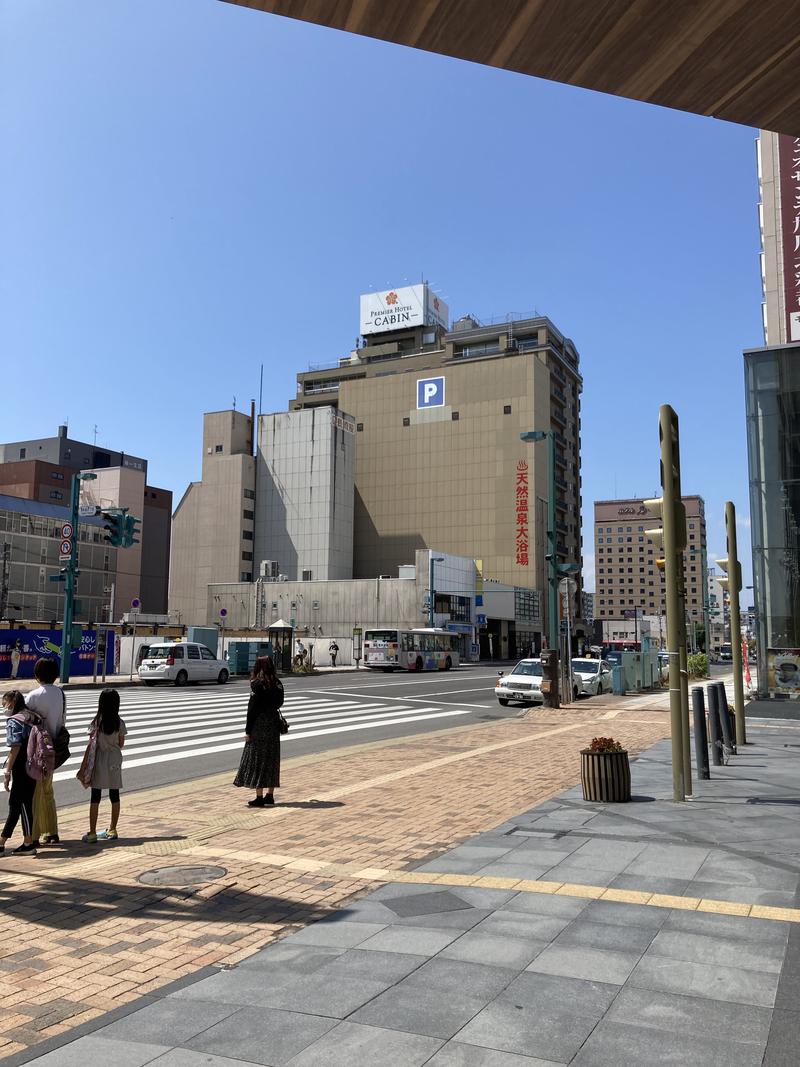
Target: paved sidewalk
84, 930
574, 933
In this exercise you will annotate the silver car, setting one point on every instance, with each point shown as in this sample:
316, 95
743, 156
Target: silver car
181, 662
523, 684
593, 676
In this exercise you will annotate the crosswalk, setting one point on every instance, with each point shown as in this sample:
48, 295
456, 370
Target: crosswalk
167, 724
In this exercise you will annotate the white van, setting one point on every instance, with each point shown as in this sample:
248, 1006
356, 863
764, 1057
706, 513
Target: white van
181, 662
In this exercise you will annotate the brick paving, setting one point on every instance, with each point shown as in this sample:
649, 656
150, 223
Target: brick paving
80, 935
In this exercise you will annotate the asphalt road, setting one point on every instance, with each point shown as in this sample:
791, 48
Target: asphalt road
178, 734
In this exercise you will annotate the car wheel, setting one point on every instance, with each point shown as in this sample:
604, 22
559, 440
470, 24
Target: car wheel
503, 701
419, 664
448, 663
574, 692
222, 677
181, 678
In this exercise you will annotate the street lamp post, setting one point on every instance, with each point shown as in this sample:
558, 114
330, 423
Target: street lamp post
431, 561
551, 555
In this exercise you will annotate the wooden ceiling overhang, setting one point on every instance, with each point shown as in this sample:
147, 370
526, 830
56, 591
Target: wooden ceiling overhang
737, 60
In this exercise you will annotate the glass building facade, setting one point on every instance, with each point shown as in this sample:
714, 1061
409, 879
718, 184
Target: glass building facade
30, 538
772, 389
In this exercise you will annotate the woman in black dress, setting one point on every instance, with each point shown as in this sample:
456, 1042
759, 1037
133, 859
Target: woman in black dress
260, 765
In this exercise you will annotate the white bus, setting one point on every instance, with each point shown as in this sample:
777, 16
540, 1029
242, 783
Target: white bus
410, 650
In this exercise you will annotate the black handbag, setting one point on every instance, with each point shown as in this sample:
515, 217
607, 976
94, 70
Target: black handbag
61, 740
61, 747
283, 725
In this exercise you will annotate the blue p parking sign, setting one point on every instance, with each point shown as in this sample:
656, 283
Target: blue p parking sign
430, 393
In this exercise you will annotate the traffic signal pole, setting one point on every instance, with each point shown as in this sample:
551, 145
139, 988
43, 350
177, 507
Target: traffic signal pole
69, 582
70, 573
672, 508
684, 668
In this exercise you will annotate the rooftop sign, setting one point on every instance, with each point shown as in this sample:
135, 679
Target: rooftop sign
398, 309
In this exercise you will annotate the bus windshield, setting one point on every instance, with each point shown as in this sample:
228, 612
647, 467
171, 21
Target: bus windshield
381, 636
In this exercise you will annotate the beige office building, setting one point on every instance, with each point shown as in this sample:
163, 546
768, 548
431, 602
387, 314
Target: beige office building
626, 576
286, 511
439, 461
212, 528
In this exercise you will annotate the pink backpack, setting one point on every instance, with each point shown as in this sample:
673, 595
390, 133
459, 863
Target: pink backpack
41, 759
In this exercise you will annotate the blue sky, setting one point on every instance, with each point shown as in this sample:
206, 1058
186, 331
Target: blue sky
190, 189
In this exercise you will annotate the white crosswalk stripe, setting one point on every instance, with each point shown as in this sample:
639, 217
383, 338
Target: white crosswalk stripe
167, 725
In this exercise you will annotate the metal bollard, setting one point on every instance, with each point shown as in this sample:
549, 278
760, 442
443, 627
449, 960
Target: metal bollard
700, 738
728, 729
724, 719
714, 727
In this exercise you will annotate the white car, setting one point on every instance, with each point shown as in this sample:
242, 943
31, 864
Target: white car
523, 684
593, 676
181, 662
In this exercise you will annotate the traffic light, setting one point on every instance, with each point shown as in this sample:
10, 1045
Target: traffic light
130, 529
725, 582
114, 525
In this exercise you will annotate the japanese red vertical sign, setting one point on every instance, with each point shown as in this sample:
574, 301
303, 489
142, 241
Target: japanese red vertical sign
522, 513
789, 165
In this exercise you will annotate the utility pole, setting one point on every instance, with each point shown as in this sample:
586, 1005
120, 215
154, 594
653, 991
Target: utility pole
672, 536
733, 583
431, 561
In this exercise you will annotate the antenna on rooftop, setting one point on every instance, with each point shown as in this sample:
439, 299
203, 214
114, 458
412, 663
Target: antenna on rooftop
234, 403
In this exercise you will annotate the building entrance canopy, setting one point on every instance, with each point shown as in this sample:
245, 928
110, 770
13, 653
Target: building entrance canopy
733, 59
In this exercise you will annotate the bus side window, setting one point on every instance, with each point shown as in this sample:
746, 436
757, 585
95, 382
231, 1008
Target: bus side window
408, 642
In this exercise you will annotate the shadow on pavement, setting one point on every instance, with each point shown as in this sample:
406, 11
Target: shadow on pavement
68, 904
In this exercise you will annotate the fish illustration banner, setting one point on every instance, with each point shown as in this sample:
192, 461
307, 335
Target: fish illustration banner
20, 649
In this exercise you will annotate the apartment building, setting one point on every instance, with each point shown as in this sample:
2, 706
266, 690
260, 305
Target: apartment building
625, 559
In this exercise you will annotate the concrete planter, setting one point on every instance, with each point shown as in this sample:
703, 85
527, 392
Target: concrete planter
605, 776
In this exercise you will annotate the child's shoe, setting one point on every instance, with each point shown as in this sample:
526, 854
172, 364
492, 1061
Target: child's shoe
107, 835
89, 839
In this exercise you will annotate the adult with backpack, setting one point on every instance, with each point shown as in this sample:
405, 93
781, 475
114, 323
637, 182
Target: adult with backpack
49, 703
260, 765
16, 780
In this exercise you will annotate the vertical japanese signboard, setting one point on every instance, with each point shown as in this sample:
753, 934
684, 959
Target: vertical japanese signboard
789, 163
521, 510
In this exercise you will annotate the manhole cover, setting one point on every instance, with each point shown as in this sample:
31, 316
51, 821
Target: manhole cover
182, 875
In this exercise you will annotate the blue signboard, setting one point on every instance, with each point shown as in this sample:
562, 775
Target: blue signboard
430, 392
20, 649
480, 620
